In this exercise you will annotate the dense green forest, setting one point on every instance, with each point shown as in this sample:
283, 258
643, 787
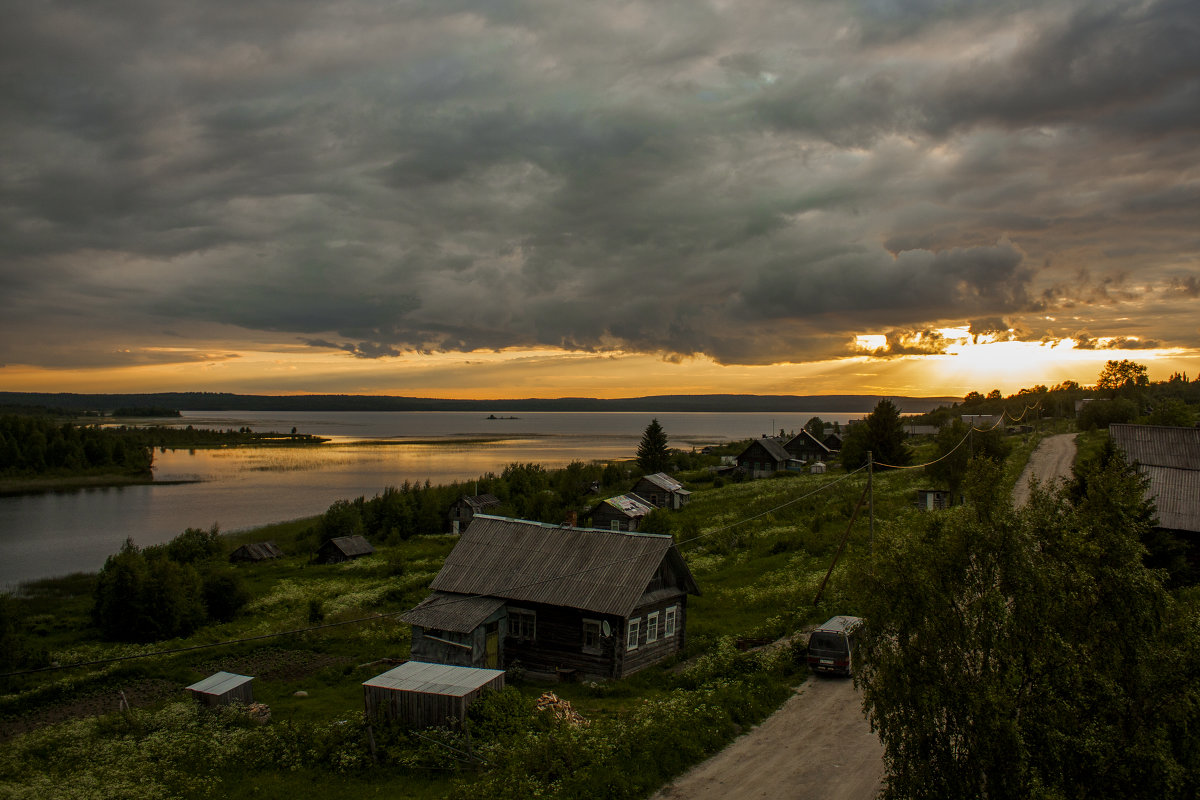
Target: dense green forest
40, 445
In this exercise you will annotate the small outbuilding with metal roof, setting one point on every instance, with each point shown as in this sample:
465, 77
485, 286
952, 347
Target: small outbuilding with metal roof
222, 689
423, 694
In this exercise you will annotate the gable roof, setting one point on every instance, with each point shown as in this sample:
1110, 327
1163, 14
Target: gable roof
257, 551
629, 504
803, 439
772, 446
350, 545
593, 570
479, 501
1170, 459
665, 482
219, 683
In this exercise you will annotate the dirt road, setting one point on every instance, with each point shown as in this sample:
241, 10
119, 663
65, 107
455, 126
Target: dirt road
1050, 461
817, 746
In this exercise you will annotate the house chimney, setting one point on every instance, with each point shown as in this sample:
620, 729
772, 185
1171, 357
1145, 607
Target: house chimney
572, 519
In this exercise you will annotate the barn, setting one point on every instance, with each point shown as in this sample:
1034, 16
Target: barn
344, 548
424, 695
560, 600
222, 689
256, 551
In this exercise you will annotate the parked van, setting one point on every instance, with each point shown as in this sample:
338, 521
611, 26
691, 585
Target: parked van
831, 646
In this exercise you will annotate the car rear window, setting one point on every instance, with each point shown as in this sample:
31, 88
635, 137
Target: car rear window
827, 641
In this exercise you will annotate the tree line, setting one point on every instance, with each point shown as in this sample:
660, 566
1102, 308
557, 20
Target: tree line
33, 445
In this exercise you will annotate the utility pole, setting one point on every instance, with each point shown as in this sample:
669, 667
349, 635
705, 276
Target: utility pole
871, 495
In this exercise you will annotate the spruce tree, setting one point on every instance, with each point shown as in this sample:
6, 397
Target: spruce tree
652, 453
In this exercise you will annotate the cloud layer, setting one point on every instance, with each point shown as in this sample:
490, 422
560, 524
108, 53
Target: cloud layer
756, 182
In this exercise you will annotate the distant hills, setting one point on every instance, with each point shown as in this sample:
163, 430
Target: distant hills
214, 401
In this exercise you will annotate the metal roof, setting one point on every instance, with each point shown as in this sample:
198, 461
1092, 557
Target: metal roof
1170, 458
460, 613
585, 568
443, 679
1158, 445
630, 504
219, 683
664, 481
1176, 495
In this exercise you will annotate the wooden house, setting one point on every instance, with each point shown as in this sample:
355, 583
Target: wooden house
222, 689
467, 506
662, 491
1169, 457
256, 551
806, 447
424, 695
559, 600
833, 441
621, 513
763, 457
344, 548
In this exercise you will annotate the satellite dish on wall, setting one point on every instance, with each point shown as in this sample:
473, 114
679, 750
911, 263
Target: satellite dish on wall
605, 628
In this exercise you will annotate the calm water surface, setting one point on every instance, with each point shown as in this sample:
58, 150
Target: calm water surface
56, 533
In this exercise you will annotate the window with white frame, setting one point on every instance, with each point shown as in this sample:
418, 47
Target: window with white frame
652, 627
669, 622
522, 623
616, 524
635, 630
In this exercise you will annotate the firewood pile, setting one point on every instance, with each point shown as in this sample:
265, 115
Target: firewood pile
561, 709
259, 712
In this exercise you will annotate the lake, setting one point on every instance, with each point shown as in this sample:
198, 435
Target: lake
43, 535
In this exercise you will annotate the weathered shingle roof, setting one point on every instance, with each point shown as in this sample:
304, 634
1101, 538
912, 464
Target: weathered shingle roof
257, 551
1170, 459
630, 505
443, 679
480, 501
352, 545
460, 613
1158, 445
585, 568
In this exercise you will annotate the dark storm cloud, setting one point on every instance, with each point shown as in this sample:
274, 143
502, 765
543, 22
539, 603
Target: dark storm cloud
756, 185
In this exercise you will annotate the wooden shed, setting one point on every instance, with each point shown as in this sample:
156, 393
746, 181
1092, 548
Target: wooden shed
621, 513
344, 548
222, 689
661, 490
423, 695
467, 506
256, 551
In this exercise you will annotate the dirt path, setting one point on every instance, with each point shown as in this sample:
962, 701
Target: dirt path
1050, 461
817, 746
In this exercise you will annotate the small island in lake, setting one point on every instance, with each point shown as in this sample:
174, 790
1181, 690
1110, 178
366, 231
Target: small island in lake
493, 416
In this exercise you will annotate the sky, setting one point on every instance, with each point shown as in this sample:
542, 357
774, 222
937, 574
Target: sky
606, 199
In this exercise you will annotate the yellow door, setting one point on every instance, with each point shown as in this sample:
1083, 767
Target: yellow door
493, 650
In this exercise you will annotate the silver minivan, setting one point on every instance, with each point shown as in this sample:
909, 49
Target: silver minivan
831, 646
